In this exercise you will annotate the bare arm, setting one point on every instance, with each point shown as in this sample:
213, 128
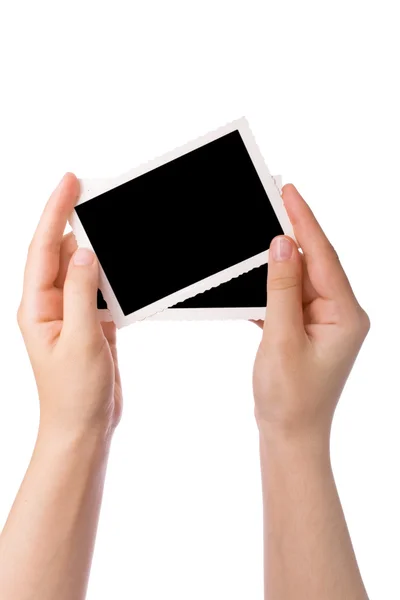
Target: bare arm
47, 543
313, 330
308, 552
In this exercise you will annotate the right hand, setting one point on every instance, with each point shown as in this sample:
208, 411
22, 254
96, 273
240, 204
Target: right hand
313, 330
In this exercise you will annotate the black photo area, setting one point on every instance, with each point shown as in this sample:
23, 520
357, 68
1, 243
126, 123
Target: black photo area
101, 303
180, 223
246, 291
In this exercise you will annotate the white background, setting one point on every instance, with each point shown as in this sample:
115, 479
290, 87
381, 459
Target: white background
99, 87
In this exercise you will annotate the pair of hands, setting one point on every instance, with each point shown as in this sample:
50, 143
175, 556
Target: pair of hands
313, 330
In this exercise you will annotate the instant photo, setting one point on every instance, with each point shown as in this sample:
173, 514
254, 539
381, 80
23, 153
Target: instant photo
186, 224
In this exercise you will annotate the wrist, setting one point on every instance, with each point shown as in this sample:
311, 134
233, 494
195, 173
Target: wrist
53, 424
300, 428
288, 444
91, 444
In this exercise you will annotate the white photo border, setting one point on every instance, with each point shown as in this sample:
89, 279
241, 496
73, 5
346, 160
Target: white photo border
91, 188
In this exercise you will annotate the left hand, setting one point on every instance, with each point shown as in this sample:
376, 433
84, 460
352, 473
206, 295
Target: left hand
73, 354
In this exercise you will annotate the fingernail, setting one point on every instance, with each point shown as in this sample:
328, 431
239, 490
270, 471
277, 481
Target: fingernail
282, 249
83, 257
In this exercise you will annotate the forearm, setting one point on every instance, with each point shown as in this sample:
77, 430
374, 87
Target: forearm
47, 543
308, 551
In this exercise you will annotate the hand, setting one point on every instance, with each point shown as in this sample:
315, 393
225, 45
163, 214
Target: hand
313, 330
73, 355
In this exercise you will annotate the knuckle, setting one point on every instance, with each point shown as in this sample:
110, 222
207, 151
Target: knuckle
358, 322
21, 317
283, 282
364, 322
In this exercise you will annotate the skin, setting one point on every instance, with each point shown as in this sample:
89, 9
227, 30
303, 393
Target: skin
313, 330
50, 533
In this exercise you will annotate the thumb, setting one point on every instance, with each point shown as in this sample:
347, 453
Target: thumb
284, 315
80, 293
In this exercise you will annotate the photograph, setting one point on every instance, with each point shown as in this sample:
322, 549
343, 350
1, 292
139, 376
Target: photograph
200, 300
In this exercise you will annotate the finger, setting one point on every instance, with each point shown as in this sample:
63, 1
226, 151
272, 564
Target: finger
284, 314
309, 293
80, 296
110, 332
324, 269
44, 251
68, 247
258, 322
